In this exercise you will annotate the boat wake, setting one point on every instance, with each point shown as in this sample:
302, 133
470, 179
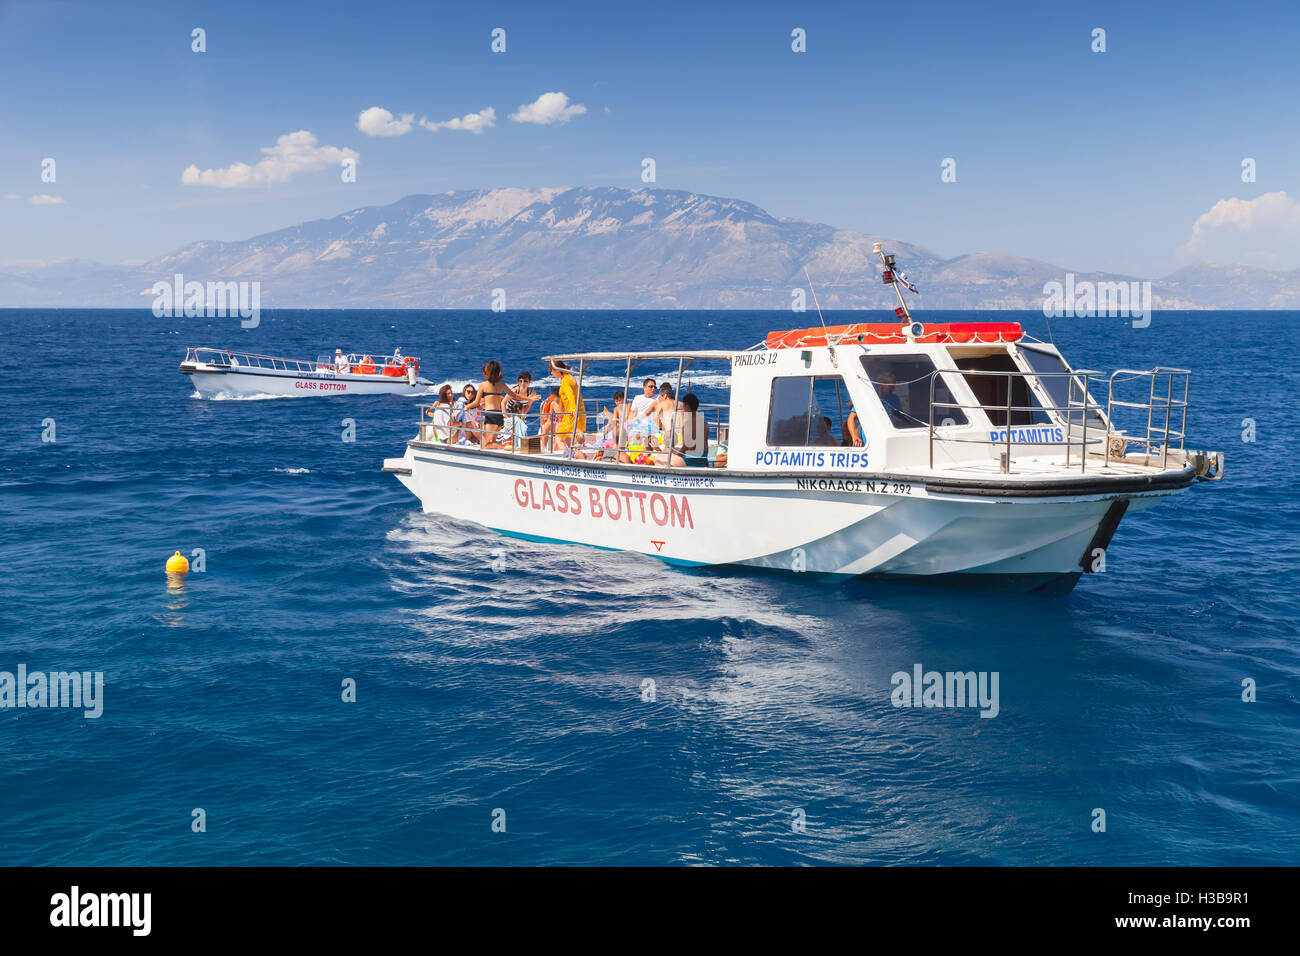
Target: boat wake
229, 397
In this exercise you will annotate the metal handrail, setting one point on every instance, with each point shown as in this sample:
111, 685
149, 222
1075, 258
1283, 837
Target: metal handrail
1078, 378
1167, 401
623, 446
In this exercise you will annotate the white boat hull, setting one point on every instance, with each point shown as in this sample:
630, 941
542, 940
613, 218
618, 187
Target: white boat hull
249, 383
841, 526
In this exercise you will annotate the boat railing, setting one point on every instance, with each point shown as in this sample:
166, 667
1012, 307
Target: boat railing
541, 433
1078, 408
233, 359
228, 358
1165, 407
1160, 434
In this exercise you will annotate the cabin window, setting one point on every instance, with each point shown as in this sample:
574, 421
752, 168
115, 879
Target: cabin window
991, 390
801, 405
902, 383
1059, 392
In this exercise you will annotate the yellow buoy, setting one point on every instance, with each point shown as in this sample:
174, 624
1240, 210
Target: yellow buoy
177, 564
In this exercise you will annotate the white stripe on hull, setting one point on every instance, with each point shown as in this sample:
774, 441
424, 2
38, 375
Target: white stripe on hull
704, 517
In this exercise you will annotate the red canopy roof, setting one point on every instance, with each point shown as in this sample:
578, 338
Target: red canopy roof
888, 332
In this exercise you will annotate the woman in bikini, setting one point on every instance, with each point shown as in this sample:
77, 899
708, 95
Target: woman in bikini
491, 392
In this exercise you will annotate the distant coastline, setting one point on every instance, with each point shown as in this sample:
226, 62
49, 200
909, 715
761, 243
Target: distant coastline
586, 248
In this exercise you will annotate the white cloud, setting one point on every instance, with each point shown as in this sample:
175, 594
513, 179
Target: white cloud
1263, 232
472, 122
377, 121
293, 153
43, 199
547, 109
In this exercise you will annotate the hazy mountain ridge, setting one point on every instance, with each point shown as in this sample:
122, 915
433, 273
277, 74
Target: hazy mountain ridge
598, 247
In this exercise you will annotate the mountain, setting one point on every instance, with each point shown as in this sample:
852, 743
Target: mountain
598, 247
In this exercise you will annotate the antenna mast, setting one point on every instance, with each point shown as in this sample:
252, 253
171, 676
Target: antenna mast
895, 279
815, 302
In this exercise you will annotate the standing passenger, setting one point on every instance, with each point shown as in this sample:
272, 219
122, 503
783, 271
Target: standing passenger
571, 427
550, 414
490, 394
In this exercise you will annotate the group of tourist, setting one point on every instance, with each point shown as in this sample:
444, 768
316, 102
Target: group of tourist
394, 365
653, 429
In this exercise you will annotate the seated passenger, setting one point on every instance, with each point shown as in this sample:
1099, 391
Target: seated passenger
661, 411
691, 448
825, 433
520, 406
468, 418
852, 430
439, 415
885, 384
614, 434
647, 398
639, 442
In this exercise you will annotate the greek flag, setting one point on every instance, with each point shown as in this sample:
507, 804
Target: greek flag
902, 277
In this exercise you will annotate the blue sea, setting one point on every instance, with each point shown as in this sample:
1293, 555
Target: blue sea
519, 696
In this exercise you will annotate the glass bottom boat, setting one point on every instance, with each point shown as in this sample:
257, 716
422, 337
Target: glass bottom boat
222, 373
966, 452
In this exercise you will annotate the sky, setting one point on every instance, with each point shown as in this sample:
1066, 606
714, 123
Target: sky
1127, 160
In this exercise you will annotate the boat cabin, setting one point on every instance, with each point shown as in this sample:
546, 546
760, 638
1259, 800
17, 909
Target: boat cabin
919, 396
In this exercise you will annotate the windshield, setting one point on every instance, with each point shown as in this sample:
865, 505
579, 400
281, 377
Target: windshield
902, 383
1060, 392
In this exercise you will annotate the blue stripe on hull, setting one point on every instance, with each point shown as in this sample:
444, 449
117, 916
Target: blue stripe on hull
599, 547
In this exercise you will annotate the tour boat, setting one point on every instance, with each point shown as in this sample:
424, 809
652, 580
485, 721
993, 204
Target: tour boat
222, 373
983, 459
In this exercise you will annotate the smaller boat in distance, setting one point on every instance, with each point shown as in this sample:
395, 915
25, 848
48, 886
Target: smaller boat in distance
228, 374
